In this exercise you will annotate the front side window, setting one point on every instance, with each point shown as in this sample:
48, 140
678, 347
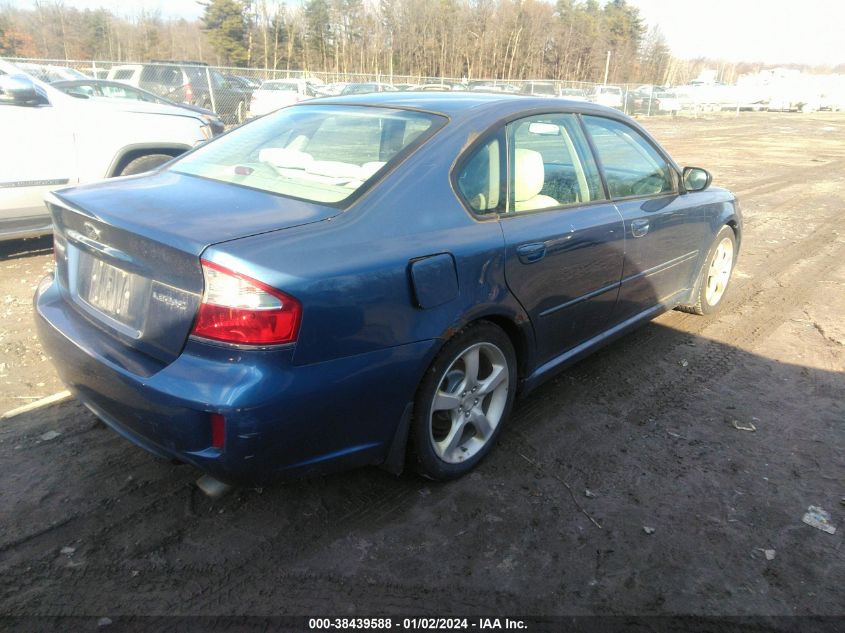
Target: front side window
316, 153
631, 165
551, 164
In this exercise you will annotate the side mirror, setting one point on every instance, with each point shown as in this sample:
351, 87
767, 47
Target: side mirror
19, 90
696, 179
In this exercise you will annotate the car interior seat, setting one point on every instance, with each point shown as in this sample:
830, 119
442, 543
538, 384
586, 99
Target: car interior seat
529, 176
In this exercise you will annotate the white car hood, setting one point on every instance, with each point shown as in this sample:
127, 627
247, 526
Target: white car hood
141, 107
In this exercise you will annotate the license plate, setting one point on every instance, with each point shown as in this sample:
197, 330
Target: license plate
106, 288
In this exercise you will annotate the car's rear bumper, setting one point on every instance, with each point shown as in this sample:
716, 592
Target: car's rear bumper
282, 420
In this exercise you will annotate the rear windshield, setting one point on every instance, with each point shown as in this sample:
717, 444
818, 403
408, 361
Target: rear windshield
318, 153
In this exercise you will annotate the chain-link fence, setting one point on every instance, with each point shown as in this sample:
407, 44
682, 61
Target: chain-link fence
237, 93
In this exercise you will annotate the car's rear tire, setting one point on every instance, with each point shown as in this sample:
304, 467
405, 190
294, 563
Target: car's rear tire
463, 401
715, 274
144, 163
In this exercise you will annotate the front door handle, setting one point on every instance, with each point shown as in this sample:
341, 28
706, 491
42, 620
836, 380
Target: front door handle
530, 253
639, 228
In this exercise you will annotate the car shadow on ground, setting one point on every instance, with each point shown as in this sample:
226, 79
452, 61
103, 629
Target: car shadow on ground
15, 249
650, 478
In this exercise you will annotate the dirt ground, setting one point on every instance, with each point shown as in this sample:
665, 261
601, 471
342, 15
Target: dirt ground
646, 425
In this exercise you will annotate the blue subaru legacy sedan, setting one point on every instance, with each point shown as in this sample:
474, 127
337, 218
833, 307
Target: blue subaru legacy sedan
371, 279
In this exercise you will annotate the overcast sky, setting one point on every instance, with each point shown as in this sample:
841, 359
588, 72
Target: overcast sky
771, 31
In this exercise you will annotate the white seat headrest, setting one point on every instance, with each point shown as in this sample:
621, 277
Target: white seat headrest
529, 174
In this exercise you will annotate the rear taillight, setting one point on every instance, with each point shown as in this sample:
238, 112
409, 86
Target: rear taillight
238, 309
189, 93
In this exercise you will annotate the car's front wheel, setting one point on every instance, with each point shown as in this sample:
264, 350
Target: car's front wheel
463, 401
715, 275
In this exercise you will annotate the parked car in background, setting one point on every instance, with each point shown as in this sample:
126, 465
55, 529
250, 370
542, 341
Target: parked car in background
667, 102
246, 83
443, 84
434, 88
491, 86
610, 96
49, 73
350, 280
51, 139
652, 103
539, 88
366, 88
575, 94
187, 82
105, 89
331, 89
794, 102
278, 93
832, 101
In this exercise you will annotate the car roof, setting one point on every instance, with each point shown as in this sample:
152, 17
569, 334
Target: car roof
98, 82
462, 104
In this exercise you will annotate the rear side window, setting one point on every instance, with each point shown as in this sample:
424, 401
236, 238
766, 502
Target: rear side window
479, 179
631, 165
151, 73
164, 75
318, 153
551, 164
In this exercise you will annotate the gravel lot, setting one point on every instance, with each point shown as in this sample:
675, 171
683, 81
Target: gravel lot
646, 425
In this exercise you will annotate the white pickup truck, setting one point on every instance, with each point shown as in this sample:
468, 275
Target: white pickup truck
49, 139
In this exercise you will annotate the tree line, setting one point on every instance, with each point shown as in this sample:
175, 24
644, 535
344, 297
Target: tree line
496, 39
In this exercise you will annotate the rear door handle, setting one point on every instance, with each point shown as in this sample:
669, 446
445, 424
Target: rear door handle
639, 228
530, 253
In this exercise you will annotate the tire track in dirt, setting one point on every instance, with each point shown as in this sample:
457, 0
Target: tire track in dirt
366, 512
129, 511
744, 335
798, 175
775, 263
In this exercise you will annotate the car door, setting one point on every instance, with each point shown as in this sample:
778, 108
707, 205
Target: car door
38, 155
664, 230
563, 238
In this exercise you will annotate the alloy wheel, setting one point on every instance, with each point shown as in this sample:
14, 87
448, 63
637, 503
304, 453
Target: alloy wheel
719, 272
469, 402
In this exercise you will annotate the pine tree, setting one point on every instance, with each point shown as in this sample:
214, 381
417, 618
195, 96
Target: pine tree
226, 24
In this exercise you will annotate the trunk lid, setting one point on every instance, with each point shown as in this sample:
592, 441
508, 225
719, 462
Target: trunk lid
128, 250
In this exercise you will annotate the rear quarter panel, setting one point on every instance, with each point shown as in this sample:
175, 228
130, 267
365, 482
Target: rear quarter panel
352, 272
